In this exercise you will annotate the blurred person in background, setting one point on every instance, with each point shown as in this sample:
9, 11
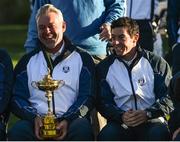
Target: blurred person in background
143, 12
31, 2
88, 22
173, 27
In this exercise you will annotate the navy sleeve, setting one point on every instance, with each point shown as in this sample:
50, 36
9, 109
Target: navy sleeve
174, 122
6, 80
105, 98
106, 105
20, 104
162, 76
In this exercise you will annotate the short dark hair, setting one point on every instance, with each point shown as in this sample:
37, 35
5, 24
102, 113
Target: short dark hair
126, 22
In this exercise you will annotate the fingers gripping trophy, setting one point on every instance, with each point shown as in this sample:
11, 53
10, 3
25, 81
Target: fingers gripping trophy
48, 85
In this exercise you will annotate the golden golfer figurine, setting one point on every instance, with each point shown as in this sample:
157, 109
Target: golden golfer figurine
49, 120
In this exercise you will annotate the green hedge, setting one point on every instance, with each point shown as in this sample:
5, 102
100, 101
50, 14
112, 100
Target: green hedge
14, 11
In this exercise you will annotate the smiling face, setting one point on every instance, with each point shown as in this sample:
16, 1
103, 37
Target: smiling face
124, 44
50, 28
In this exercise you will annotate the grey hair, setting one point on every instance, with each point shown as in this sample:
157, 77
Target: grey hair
45, 9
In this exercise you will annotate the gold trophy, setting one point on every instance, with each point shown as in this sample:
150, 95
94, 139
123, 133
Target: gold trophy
48, 85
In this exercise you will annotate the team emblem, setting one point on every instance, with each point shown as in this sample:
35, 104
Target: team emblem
66, 69
141, 81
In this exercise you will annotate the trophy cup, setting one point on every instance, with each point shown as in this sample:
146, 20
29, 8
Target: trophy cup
48, 85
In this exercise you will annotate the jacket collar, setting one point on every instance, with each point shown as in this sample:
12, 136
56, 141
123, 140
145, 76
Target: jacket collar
140, 53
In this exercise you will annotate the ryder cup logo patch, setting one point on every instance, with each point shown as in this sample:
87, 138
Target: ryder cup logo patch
141, 81
66, 69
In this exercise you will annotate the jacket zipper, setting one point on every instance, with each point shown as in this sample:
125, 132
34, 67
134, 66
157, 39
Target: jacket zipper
134, 95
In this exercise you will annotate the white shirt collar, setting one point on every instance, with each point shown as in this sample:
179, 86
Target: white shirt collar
53, 56
129, 62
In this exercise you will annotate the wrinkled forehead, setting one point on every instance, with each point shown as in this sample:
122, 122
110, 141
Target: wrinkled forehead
49, 17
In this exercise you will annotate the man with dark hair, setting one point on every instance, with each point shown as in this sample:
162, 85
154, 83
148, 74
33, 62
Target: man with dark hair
133, 88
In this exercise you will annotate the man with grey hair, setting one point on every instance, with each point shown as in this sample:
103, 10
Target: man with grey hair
71, 103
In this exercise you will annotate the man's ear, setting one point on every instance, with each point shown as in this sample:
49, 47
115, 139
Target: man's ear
64, 26
136, 37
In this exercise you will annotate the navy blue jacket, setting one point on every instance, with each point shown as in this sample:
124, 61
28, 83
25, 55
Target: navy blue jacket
6, 81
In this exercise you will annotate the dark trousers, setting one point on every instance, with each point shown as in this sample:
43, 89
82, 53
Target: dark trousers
176, 58
78, 130
151, 131
177, 138
146, 34
2, 132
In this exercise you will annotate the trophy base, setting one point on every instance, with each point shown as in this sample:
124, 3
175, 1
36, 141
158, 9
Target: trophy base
47, 134
49, 127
